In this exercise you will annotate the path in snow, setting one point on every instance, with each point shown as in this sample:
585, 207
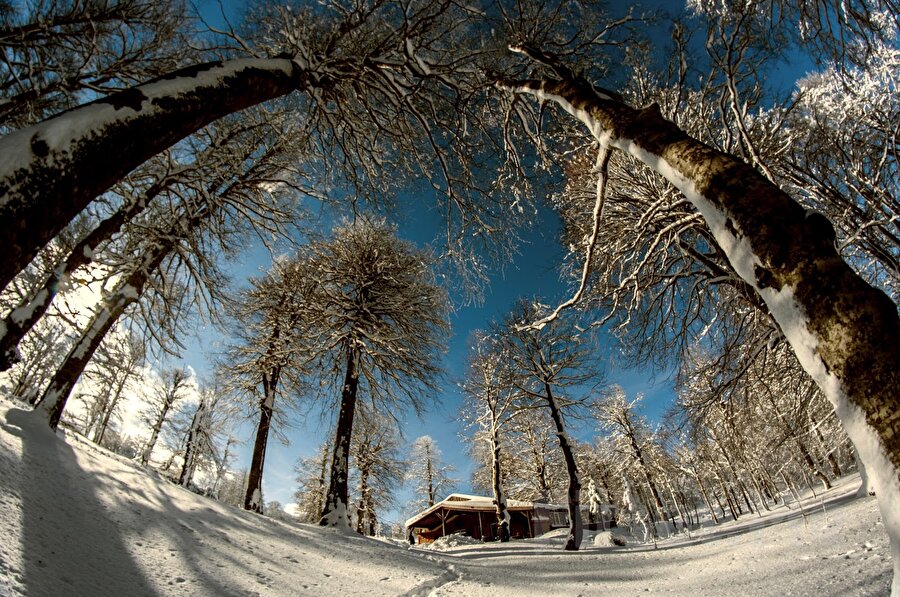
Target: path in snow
78, 520
841, 550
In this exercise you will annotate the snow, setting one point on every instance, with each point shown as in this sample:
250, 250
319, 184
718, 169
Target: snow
80, 520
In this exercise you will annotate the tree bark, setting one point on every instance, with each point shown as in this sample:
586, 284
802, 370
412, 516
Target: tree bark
154, 432
576, 527
499, 495
843, 331
335, 512
362, 507
253, 497
54, 169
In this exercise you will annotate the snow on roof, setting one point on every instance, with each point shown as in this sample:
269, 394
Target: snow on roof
462, 501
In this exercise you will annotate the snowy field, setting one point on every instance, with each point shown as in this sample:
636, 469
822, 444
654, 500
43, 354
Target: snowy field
80, 521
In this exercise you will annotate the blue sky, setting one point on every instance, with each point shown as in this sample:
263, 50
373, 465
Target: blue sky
534, 272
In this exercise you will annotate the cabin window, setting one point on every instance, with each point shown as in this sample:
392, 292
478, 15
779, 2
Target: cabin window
559, 518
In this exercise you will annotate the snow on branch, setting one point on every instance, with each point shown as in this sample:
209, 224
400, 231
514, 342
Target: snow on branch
601, 168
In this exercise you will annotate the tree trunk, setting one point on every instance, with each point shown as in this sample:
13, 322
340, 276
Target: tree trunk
829, 453
100, 431
253, 497
192, 445
648, 476
429, 474
335, 512
843, 331
541, 470
54, 169
53, 401
497, 485
719, 502
154, 432
813, 467
576, 530
709, 505
728, 500
362, 507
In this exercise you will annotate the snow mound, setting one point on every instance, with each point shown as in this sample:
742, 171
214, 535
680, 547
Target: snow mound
608, 539
451, 541
555, 534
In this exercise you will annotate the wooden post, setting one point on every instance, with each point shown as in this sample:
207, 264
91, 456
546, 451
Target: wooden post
480, 527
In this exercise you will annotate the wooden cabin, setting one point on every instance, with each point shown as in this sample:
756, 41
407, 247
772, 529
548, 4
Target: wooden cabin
475, 516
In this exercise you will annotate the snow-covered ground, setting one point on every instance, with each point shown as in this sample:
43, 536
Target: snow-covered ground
77, 520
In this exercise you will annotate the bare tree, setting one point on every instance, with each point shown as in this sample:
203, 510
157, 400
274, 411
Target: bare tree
550, 363
57, 53
383, 90
374, 322
113, 370
206, 216
174, 384
631, 435
312, 483
428, 473
842, 335
379, 466
269, 361
491, 403
200, 438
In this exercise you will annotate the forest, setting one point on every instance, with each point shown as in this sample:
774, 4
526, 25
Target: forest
720, 177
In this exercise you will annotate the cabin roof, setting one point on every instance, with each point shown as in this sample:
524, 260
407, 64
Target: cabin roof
462, 501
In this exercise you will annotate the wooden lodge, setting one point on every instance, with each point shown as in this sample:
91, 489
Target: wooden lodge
475, 516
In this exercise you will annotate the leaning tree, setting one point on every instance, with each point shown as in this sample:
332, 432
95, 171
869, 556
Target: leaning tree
842, 330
